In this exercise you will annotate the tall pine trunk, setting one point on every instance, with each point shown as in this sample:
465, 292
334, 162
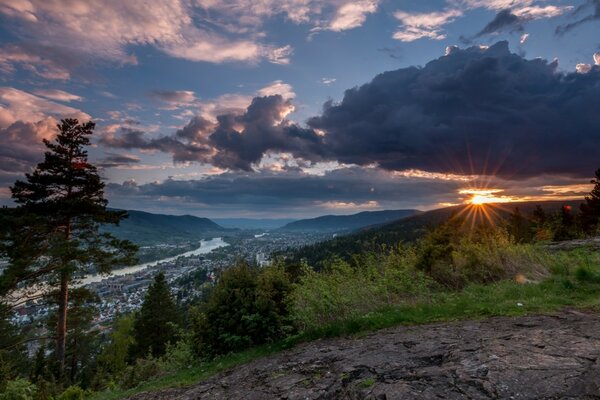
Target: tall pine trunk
63, 306
61, 329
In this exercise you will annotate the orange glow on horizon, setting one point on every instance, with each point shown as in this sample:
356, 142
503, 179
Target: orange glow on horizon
486, 196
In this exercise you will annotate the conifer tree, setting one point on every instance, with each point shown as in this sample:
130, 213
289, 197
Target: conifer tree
155, 324
590, 210
53, 237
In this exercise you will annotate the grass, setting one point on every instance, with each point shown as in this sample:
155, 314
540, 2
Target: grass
576, 286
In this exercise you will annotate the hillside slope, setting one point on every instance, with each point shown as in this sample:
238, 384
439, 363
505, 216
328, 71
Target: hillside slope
338, 223
407, 230
498, 358
143, 227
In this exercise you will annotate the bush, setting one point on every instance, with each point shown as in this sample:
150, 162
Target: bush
343, 291
247, 307
19, 389
485, 255
73, 393
143, 370
179, 356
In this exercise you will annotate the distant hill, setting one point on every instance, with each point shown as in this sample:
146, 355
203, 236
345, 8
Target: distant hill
340, 223
253, 223
408, 229
143, 227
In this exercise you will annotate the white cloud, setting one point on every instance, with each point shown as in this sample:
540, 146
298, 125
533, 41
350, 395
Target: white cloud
352, 15
58, 95
34, 61
327, 81
430, 25
424, 25
278, 87
597, 58
583, 68
524, 38
107, 30
537, 12
17, 105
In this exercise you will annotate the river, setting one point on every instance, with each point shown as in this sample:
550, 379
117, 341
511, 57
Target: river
206, 246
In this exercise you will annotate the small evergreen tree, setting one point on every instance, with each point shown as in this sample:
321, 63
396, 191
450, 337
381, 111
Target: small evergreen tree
590, 210
53, 238
518, 227
156, 323
566, 227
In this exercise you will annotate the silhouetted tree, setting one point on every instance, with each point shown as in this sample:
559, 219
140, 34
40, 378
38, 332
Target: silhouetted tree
590, 210
566, 227
155, 324
518, 227
53, 238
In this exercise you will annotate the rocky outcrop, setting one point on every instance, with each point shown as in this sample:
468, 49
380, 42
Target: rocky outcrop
530, 357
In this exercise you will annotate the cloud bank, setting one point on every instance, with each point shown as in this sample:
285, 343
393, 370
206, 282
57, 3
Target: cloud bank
474, 111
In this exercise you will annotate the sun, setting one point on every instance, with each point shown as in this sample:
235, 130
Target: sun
480, 197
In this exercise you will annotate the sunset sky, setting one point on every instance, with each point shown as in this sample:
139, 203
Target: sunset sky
295, 108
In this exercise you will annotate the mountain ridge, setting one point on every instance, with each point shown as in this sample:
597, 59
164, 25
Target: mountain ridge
338, 223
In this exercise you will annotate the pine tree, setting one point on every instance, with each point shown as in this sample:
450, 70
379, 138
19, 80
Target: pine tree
155, 324
590, 210
52, 238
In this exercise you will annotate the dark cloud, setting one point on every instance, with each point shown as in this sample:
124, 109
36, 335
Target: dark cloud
235, 141
392, 52
474, 111
504, 20
174, 97
117, 160
293, 193
595, 4
285, 193
20, 146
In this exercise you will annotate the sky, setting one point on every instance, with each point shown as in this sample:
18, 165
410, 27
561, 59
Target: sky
299, 108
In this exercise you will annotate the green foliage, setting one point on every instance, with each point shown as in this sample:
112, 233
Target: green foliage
246, 308
113, 358
520, 228
19, 389
82, 341
454, 257
179, 355
74, 393
156, 324
343, 290
590, 210
565, 225
52, 237
143, 370
12, 351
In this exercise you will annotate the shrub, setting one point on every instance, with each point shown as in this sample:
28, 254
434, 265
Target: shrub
143, 370
343, 291
247, 307
179, 355
454, 257
19, 389
73, 393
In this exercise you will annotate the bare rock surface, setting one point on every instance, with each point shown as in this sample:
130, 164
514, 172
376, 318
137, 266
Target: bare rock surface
531, 357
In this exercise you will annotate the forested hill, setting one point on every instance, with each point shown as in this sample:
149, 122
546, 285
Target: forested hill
339, 223
143, 227
410, 229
